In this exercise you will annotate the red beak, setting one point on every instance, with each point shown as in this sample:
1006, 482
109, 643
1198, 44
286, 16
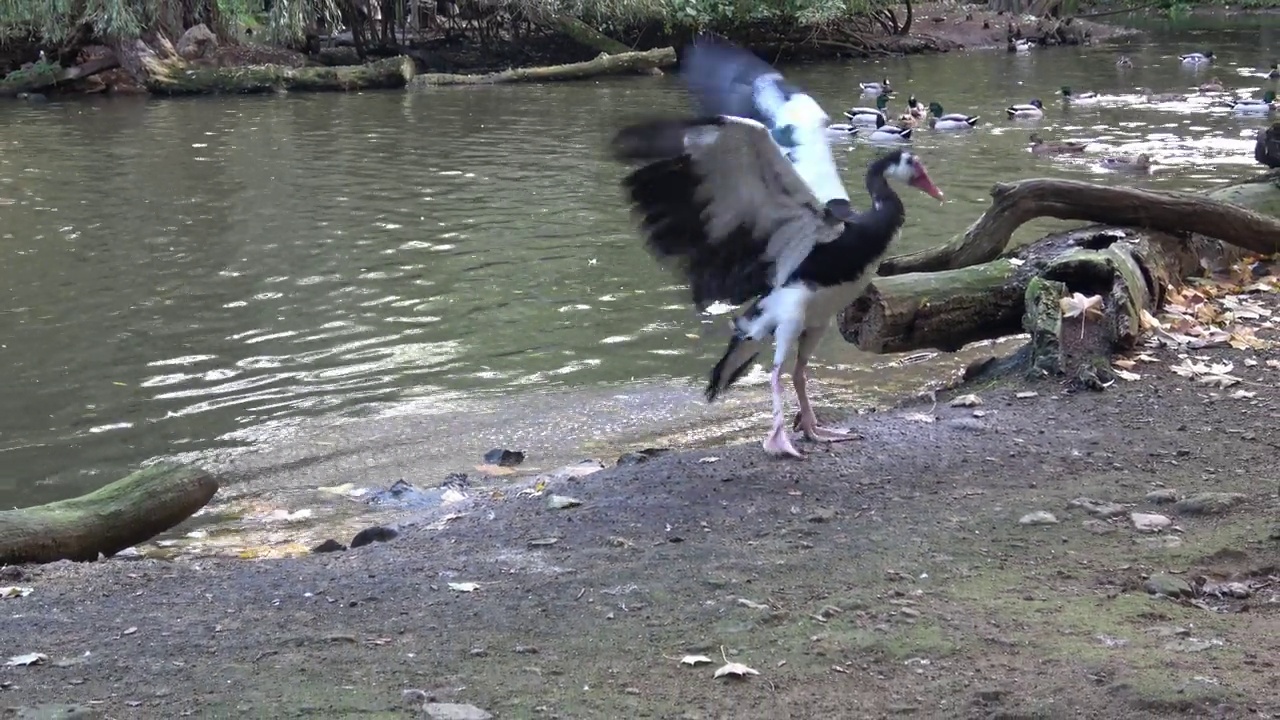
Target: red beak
922, 182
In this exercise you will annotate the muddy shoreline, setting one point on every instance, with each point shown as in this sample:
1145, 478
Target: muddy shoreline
960, 559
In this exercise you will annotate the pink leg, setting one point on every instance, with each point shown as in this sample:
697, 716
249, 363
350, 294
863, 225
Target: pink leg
778, 443
808, 421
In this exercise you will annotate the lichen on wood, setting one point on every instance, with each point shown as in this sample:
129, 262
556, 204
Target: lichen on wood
602, 65
129, 511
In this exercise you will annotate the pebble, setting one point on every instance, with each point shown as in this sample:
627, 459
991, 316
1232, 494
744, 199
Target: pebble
560, 502
1039, 517
1161, 496
966, 401
1098, 508
1149, 522
454, 711
1164, 584
1209, 503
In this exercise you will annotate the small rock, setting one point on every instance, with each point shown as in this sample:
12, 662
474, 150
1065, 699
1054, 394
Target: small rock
822, 515
1039, 517
1098, 508
1025, 394
1164, 584
642, 456
478, 652
503, 457
454, 711
1209, 503
1098, 527
544, 542
414, 698
1192, 645
526, 650
1149, 522
377, 533
969, 400
1161, 496
1237, 590
329, 545
1163, 541
560, 502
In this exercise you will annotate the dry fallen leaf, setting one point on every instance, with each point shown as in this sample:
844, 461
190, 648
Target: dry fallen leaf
29, 659
1126, 375
464, 586
1025, 394
709, 459
919, 417
495, 469
732, 668
14, 591
1124, 363
694, 659
1250, 362
969, 400
1078, 305
735, 669
1243, 395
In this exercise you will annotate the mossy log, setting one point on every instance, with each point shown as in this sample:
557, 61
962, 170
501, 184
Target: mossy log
176, 78
129, 511
586, 35
1150, 242
603, 65
45, 76
1014, 204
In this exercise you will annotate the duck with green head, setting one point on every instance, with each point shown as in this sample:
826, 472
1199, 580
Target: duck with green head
869, 115
1087, 98
1275, 71
1253, 106
1026, 111
885, 132
939, 120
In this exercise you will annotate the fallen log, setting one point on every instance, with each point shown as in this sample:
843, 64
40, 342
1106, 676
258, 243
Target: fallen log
1014, 204
584, 34
1121, 269
129, 511
45, 76
179, 79
604, 64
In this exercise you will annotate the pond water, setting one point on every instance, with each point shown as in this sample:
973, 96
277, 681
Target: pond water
177, 270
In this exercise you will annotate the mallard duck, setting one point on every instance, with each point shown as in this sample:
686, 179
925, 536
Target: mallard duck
1275, 71
1087, 98
1160, 97
885, 132
907, 120
1127, 163
842, 129
867, 115
875, 88
949, 121
1062, 147
1033, 109
916, 108
1214, 85
1020, 46
1124, 62
1196, 58
1254, 106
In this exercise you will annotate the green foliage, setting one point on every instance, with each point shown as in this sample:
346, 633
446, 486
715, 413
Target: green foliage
707, 14
54, 20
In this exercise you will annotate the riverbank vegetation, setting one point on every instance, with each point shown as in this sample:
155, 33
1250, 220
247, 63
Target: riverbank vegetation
149, 44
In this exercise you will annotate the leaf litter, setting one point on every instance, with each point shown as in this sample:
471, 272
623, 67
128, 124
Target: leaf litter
1207, 313
733, 669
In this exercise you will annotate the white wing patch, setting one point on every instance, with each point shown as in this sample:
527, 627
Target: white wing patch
812, 155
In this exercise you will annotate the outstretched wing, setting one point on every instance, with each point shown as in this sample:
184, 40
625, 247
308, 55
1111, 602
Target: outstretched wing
725, 79
720, 201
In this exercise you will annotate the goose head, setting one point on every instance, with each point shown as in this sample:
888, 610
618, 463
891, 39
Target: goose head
905, 166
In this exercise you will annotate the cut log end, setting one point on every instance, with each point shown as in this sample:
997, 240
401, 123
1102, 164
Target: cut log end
129, 511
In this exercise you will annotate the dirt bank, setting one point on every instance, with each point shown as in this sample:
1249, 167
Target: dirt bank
902, 575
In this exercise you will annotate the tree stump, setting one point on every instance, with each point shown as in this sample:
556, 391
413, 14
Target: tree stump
964, 291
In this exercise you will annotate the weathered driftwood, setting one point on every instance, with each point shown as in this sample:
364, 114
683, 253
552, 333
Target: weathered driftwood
603, 65
163, 72
1014, 204
584, 34
1143, 248
389, 73
131, 510
26, 81
1267, 148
